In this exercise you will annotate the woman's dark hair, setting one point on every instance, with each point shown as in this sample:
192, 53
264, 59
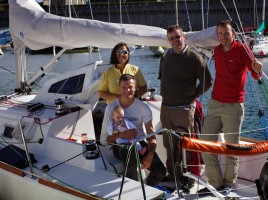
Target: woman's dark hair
113, 59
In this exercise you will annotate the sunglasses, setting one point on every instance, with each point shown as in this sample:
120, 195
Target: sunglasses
176, 37
124, 52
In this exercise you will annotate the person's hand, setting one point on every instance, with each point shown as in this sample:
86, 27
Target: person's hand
130, 133
147, 161
257, 66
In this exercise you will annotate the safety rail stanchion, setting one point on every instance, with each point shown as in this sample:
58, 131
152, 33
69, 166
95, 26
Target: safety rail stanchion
139, 169
125, 172
138, 162
195, 177
170, 133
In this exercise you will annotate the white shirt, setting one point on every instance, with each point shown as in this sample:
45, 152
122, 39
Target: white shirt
138, 113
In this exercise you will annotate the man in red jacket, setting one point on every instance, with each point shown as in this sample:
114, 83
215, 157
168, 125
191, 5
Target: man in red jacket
226, 107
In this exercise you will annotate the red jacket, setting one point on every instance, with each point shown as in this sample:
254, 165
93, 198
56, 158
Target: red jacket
231, 73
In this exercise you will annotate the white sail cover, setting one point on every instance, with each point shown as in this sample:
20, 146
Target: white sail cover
30, 25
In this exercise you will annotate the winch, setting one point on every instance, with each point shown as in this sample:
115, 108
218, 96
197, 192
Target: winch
60, 110
151, 93
92, 151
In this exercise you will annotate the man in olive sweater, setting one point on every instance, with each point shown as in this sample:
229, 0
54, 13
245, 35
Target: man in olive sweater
183, 76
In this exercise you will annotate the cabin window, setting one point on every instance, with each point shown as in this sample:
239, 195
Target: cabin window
72, 85
8, 131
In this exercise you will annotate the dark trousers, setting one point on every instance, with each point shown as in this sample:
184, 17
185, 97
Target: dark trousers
157, 168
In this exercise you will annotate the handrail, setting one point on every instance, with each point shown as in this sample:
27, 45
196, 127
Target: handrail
26, 151
45, 68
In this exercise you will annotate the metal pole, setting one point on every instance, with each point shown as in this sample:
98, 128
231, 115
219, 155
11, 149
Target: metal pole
202, 11
177, 13
69, 8
139, 170
173, 161
27, 152
125, 172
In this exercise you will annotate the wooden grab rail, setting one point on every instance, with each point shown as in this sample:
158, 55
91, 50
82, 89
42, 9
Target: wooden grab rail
12, 169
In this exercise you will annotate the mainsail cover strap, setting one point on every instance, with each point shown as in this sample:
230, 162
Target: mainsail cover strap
222, 148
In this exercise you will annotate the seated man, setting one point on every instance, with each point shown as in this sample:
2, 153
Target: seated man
138, 113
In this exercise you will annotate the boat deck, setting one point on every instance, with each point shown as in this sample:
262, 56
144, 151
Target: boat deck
244, 190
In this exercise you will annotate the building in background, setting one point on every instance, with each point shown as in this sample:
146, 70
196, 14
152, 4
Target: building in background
160, 13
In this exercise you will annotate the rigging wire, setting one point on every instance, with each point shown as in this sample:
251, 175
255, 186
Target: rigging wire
90, 9
261, 82
7, 70
261, 112
232, 21
207, 60
188, 16
126, 12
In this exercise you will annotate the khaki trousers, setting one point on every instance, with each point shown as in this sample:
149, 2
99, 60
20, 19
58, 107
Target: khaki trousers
226, 117
172, 118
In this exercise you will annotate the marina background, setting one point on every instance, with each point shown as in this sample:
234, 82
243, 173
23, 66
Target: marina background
142, 58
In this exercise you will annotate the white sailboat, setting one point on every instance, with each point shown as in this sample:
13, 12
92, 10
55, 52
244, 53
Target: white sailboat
157, 50
5, 40
48, 125
260, 47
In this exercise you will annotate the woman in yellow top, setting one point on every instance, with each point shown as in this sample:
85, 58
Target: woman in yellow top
109, 83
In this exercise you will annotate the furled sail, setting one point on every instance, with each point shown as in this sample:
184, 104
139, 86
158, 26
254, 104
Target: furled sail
31, 26
37, 29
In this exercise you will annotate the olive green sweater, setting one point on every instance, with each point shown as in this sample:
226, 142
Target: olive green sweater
183, 77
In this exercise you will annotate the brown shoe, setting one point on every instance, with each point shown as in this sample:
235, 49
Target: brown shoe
204, 192
191, 183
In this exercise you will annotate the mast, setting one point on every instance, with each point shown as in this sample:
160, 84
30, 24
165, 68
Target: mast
109, 19
69, 8
263, 10
254, 13
262, 25
177, 13
49, 4
202, 12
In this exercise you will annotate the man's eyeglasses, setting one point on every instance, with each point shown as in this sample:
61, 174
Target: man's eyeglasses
124, 52
176, 37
